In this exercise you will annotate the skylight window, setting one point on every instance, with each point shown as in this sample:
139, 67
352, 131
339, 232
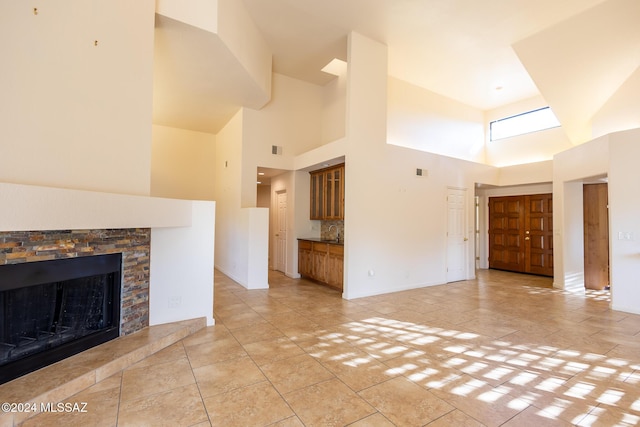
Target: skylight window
531, 121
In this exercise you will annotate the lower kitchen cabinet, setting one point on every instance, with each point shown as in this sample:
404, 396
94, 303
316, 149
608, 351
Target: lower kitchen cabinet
305, 261
319, 258
322, 262
335, 266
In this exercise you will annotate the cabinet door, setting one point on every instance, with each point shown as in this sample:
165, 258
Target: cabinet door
334, 180
327, 194
335, 266
305, 262
317, 192
319, 259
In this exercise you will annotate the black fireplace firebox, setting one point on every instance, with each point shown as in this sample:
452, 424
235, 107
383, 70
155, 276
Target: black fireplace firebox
50, 310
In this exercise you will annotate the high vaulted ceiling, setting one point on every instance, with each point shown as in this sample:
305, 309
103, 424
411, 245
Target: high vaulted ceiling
483, 53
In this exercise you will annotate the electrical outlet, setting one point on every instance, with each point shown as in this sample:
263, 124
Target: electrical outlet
174, 302
625, 235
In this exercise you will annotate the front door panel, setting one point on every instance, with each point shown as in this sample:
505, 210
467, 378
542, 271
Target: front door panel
521, 233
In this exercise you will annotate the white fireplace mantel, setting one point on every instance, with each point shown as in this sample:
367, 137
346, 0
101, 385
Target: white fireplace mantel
182, 238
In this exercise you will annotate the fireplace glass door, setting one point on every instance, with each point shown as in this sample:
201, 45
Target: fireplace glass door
50, 310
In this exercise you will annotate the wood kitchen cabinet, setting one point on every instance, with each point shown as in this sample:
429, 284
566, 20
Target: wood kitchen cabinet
319, 256
335, 266
305, 262
321, 261
327, 193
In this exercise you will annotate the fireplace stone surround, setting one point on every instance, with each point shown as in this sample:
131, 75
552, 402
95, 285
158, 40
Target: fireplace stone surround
20, 248
134, 244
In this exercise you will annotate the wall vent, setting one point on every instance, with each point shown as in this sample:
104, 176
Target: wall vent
276, 149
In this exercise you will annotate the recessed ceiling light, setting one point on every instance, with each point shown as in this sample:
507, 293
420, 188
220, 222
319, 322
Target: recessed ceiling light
259, 182
260, 173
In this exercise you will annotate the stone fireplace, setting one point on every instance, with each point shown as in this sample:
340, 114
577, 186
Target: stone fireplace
166, 245
17, 249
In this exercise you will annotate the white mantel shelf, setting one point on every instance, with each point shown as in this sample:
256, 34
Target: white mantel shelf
29, 208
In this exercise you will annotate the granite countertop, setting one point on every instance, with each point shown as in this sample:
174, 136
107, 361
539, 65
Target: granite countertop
317, 239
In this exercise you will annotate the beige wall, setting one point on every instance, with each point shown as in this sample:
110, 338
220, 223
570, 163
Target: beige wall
291, 120
242, 235
423, 120
182, 164
622, 110
76, 85
228, 170
395, 223
334, 109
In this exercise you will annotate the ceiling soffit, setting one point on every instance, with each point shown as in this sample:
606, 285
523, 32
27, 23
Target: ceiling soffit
580, 63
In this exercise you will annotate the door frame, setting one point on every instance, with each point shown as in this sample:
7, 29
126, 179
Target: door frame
277, 238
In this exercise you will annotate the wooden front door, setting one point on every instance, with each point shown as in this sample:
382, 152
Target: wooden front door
596, 236
521, 233
538, 234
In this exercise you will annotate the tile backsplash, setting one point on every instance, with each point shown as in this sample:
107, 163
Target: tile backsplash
325, 233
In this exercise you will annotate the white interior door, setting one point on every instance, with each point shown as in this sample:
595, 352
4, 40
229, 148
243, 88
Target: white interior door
456, 236
281, 233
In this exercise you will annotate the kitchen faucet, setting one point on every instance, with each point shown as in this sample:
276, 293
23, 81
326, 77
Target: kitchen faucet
337, 232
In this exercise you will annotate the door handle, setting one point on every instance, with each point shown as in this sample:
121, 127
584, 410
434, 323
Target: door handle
465, 239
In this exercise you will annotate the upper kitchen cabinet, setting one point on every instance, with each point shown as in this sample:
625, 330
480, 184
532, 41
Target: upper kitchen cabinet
327, 193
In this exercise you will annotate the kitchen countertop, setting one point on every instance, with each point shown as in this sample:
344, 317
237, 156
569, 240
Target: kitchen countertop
317, 239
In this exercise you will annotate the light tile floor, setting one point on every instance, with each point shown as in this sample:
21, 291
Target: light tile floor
502, 350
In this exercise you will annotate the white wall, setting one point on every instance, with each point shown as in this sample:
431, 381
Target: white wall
334, 109
395, 223
182, 163
527, 173
531, 147
256, 222
181, 270
242, 234
227, 194
74, 114
292, 120
624, 217
621, 111
613, 156
423, 120
570, 168
198, 13
240, 34
232, 24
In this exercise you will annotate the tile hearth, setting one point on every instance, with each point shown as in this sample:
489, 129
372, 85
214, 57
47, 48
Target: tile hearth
90, 371
502, 350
